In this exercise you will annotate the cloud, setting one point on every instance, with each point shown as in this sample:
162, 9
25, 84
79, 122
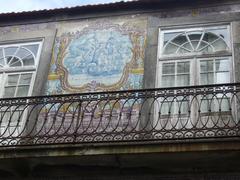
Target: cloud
29, 5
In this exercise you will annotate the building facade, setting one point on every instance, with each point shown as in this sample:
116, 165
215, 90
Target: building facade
127, 90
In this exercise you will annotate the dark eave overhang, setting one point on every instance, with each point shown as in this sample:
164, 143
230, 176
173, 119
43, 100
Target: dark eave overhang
98, 10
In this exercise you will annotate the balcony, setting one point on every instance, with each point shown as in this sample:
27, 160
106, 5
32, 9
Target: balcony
194, 113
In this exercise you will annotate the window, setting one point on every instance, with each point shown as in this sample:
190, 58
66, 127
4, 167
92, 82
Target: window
194, 56
18, 65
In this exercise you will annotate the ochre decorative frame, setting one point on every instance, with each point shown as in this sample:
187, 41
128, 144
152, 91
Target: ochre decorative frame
130, 67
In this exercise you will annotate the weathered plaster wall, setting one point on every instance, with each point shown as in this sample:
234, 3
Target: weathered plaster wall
98, 55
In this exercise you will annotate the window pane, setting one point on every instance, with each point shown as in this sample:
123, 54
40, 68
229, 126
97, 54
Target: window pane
210, 37
25, 79
12, 80
206, 66
183, 80
181, 39
22, 91
195, 44
222, 33
222, 65
28, 61
183, 67
168, 37
13, 61
186, 48
33, 48
219, 45
222, 77
207, 78
170, 49
1, 53
2, 63
168, 81
9, 51
22, 53
9, 91
195, 35
168, 68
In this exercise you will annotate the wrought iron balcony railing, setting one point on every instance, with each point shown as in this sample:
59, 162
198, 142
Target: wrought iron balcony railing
199, 112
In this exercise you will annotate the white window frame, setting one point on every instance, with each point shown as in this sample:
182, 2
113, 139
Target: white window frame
25, 69
191, 56
5, 71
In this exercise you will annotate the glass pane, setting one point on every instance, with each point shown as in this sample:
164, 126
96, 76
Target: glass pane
204, 47
207, 78
9, 51
170, 49
28, 61
9, 91
186, 48
22, 91
1, 53
183, 80
222, 77
209, 37
181, 39
13, 61
206, 66
168, 68
33, 48
194, 35
25, 79
2, 63
183, 67
12, 80
219, 45
22, 53
195, 44
222, 65
223, 33
168, 81
169, 37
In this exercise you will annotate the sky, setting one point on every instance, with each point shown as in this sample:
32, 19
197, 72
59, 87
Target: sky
29, 5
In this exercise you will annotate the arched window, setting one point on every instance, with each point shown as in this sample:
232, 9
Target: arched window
194, 56
18, 64
203, 41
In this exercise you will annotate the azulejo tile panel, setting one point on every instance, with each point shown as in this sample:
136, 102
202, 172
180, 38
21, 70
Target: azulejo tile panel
100, 55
